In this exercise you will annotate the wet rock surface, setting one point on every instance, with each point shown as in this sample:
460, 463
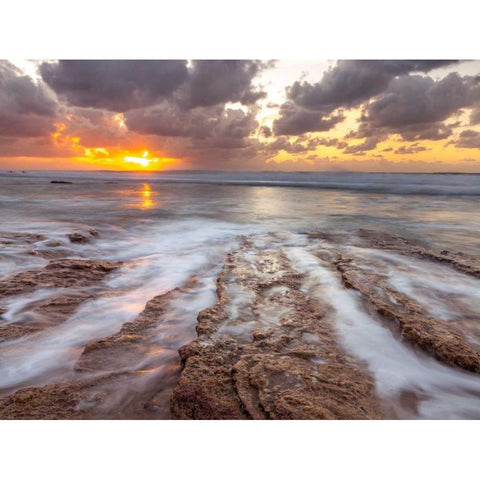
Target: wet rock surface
385, 241
83, 237
436, 337
274, 356
73, 277
35, 245
269, 347
19, 239
124, 376
58, 273
373, 279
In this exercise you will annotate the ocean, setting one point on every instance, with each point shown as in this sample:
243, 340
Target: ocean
168, 227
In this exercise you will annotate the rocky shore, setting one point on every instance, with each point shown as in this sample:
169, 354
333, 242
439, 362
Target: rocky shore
268, 348
75, 277
273, 355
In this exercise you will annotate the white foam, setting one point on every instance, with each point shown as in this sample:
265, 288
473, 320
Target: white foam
442, 392
18, 308
169, 259
443, 292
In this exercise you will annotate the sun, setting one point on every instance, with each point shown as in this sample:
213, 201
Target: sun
144, 161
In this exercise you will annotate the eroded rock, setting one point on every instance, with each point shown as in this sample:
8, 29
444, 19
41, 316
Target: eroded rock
83, 237
129, 374
77, 277
58, 273
266, 350
436, 337
462, 262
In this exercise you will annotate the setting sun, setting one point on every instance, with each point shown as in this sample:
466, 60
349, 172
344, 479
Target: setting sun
144, 161
120, 159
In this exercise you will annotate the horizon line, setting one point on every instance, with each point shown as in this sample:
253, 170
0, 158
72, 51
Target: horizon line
2, 171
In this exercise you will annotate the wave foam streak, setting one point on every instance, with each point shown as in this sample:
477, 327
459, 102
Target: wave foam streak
410, 383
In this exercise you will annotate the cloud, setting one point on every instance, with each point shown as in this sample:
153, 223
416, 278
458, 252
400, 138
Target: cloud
408, 150
27, 109
30, 147
266, 131
206, 137
96, 128
116, 85
475, 116
294, 121
281, 143
301, 145
351, 82
468, 139
168, 119
346, 85
204, 111
416, 107
212, 82
414, 99
370, 143
122, 85
329, 142
162, 101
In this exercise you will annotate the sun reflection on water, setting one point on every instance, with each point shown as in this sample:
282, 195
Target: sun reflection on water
146, 194
145, 202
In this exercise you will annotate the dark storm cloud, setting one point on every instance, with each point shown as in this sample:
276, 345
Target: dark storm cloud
351, 82
167, 119
213, 82
347, 85
475, 116
230, 129
414, 99
210, 125
182, 107
416, 107
122, 85
282, 143
26, 109
266, 131
162, 99
424, 131
116, 85
370, 143
294, 121
468, 139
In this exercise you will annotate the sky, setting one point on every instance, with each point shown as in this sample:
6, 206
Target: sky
326, 115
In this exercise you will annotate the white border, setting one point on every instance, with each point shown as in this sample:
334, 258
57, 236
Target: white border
299, 29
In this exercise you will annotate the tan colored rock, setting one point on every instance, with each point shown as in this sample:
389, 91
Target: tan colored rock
64, 273
436, 337
79, 276
276, 358
123, 376
83, 237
